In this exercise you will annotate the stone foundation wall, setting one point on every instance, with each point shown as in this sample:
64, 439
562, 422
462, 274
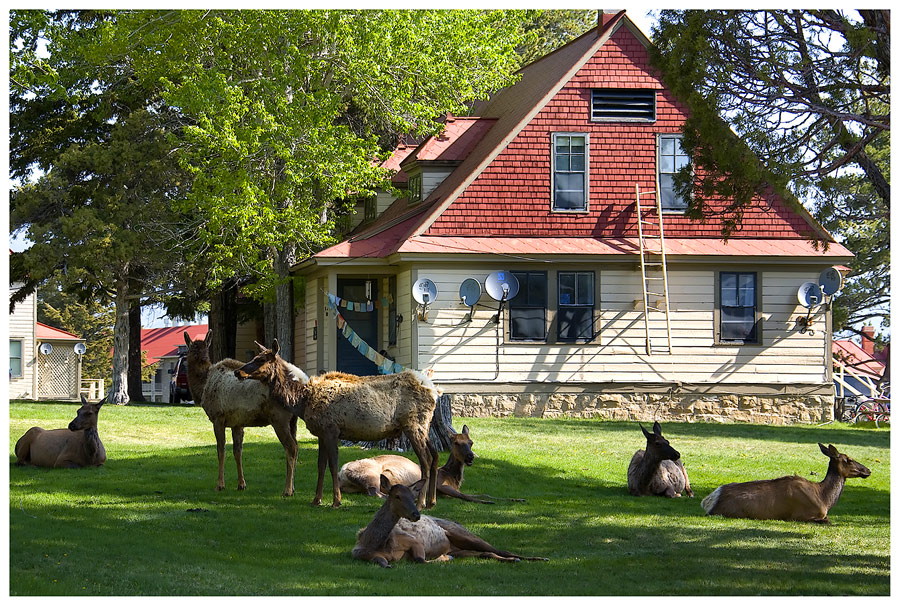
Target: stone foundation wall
777, 409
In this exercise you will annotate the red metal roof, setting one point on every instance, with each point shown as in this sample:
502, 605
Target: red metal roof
164, 342
851, 354
458, 138
42, 332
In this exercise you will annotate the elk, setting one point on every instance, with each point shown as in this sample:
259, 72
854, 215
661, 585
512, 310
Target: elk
658, 469
364, 475
338, 406
77, 446
229, 402
791, 498
399, 531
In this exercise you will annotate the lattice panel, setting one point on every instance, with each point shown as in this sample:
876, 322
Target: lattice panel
58, 373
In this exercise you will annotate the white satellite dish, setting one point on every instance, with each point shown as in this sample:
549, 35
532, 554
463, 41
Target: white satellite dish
470, 291
80, 349
809, 294
831, 281
45, 349
501, 285
424, 291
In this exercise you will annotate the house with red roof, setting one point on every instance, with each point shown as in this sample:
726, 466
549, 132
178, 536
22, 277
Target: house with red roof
525, 265
44, 362
858, 369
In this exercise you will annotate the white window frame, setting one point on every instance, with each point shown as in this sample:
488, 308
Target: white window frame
587, 172
659, 173
21, 374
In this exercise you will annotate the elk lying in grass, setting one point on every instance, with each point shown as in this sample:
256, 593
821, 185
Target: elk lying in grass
338, 406
77, 446
658, 469
364, 475
399, 531
789, 497
229, 402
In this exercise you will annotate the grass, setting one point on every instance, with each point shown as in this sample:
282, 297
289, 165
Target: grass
149, 522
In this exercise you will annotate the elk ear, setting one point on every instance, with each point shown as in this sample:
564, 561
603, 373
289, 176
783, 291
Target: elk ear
466, 429
827, 451
384, 484
656, 428
274, 346
83, 400
261, 347
187, 339
207, 338
646, 433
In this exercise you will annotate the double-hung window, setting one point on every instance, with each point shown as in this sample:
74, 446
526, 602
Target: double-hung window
15, 358
671, 158
570, 171
575, 316
414, 188
738, 307
528, 309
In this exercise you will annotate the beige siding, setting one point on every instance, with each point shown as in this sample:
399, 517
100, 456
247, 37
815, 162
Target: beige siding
21, 327
478, 350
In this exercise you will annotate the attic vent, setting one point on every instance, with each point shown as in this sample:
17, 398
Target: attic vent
623, 104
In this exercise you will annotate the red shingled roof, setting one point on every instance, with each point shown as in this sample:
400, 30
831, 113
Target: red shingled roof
496, 199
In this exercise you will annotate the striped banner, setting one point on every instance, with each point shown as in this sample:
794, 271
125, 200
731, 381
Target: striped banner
385, 365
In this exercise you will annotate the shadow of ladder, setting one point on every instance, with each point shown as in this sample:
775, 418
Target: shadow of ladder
654, 276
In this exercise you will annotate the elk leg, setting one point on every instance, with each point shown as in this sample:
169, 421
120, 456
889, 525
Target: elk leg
333, 466
468, 544
219, 430
320, 482
427, 455
452, 492
471, 553
288, 439
237, 437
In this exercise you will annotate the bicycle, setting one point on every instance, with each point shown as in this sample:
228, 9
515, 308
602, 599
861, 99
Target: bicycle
875, 409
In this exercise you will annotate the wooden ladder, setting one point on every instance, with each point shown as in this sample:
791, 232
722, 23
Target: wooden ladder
654, 277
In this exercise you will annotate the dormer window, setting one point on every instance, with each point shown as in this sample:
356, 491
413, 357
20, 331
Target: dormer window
623, 105
414, 188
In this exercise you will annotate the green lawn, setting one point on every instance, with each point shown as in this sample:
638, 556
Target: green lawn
150, 522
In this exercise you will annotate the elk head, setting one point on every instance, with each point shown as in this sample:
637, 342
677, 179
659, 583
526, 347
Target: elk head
657, 445
402, 499
86, 417
461, 446
847, 467
262, 366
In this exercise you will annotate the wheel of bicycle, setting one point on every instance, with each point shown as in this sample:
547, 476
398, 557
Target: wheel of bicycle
864, 412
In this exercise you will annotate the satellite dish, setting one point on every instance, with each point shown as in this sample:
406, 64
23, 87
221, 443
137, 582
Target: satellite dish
80, 349
45, 348
470, 291
501, 285
424, 291
809, 294
831, 281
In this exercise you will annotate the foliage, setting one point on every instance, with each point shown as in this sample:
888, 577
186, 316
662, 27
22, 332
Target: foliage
175, 535
282, 110
547, 30
807, 94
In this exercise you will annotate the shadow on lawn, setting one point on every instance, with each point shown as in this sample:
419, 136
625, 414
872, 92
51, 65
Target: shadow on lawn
159, 516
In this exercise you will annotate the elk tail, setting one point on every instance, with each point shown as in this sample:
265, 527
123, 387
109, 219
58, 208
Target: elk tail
710, 502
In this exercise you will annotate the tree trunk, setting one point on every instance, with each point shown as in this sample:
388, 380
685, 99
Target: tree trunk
118, 390
284, 303
135, 361
223, 322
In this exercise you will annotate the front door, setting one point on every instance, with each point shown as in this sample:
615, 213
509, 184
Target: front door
364, 323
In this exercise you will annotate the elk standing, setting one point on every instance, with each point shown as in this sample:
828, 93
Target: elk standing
229, 402
338, 406
77, 446
658, 470
789, 497
399, 531
364, 475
